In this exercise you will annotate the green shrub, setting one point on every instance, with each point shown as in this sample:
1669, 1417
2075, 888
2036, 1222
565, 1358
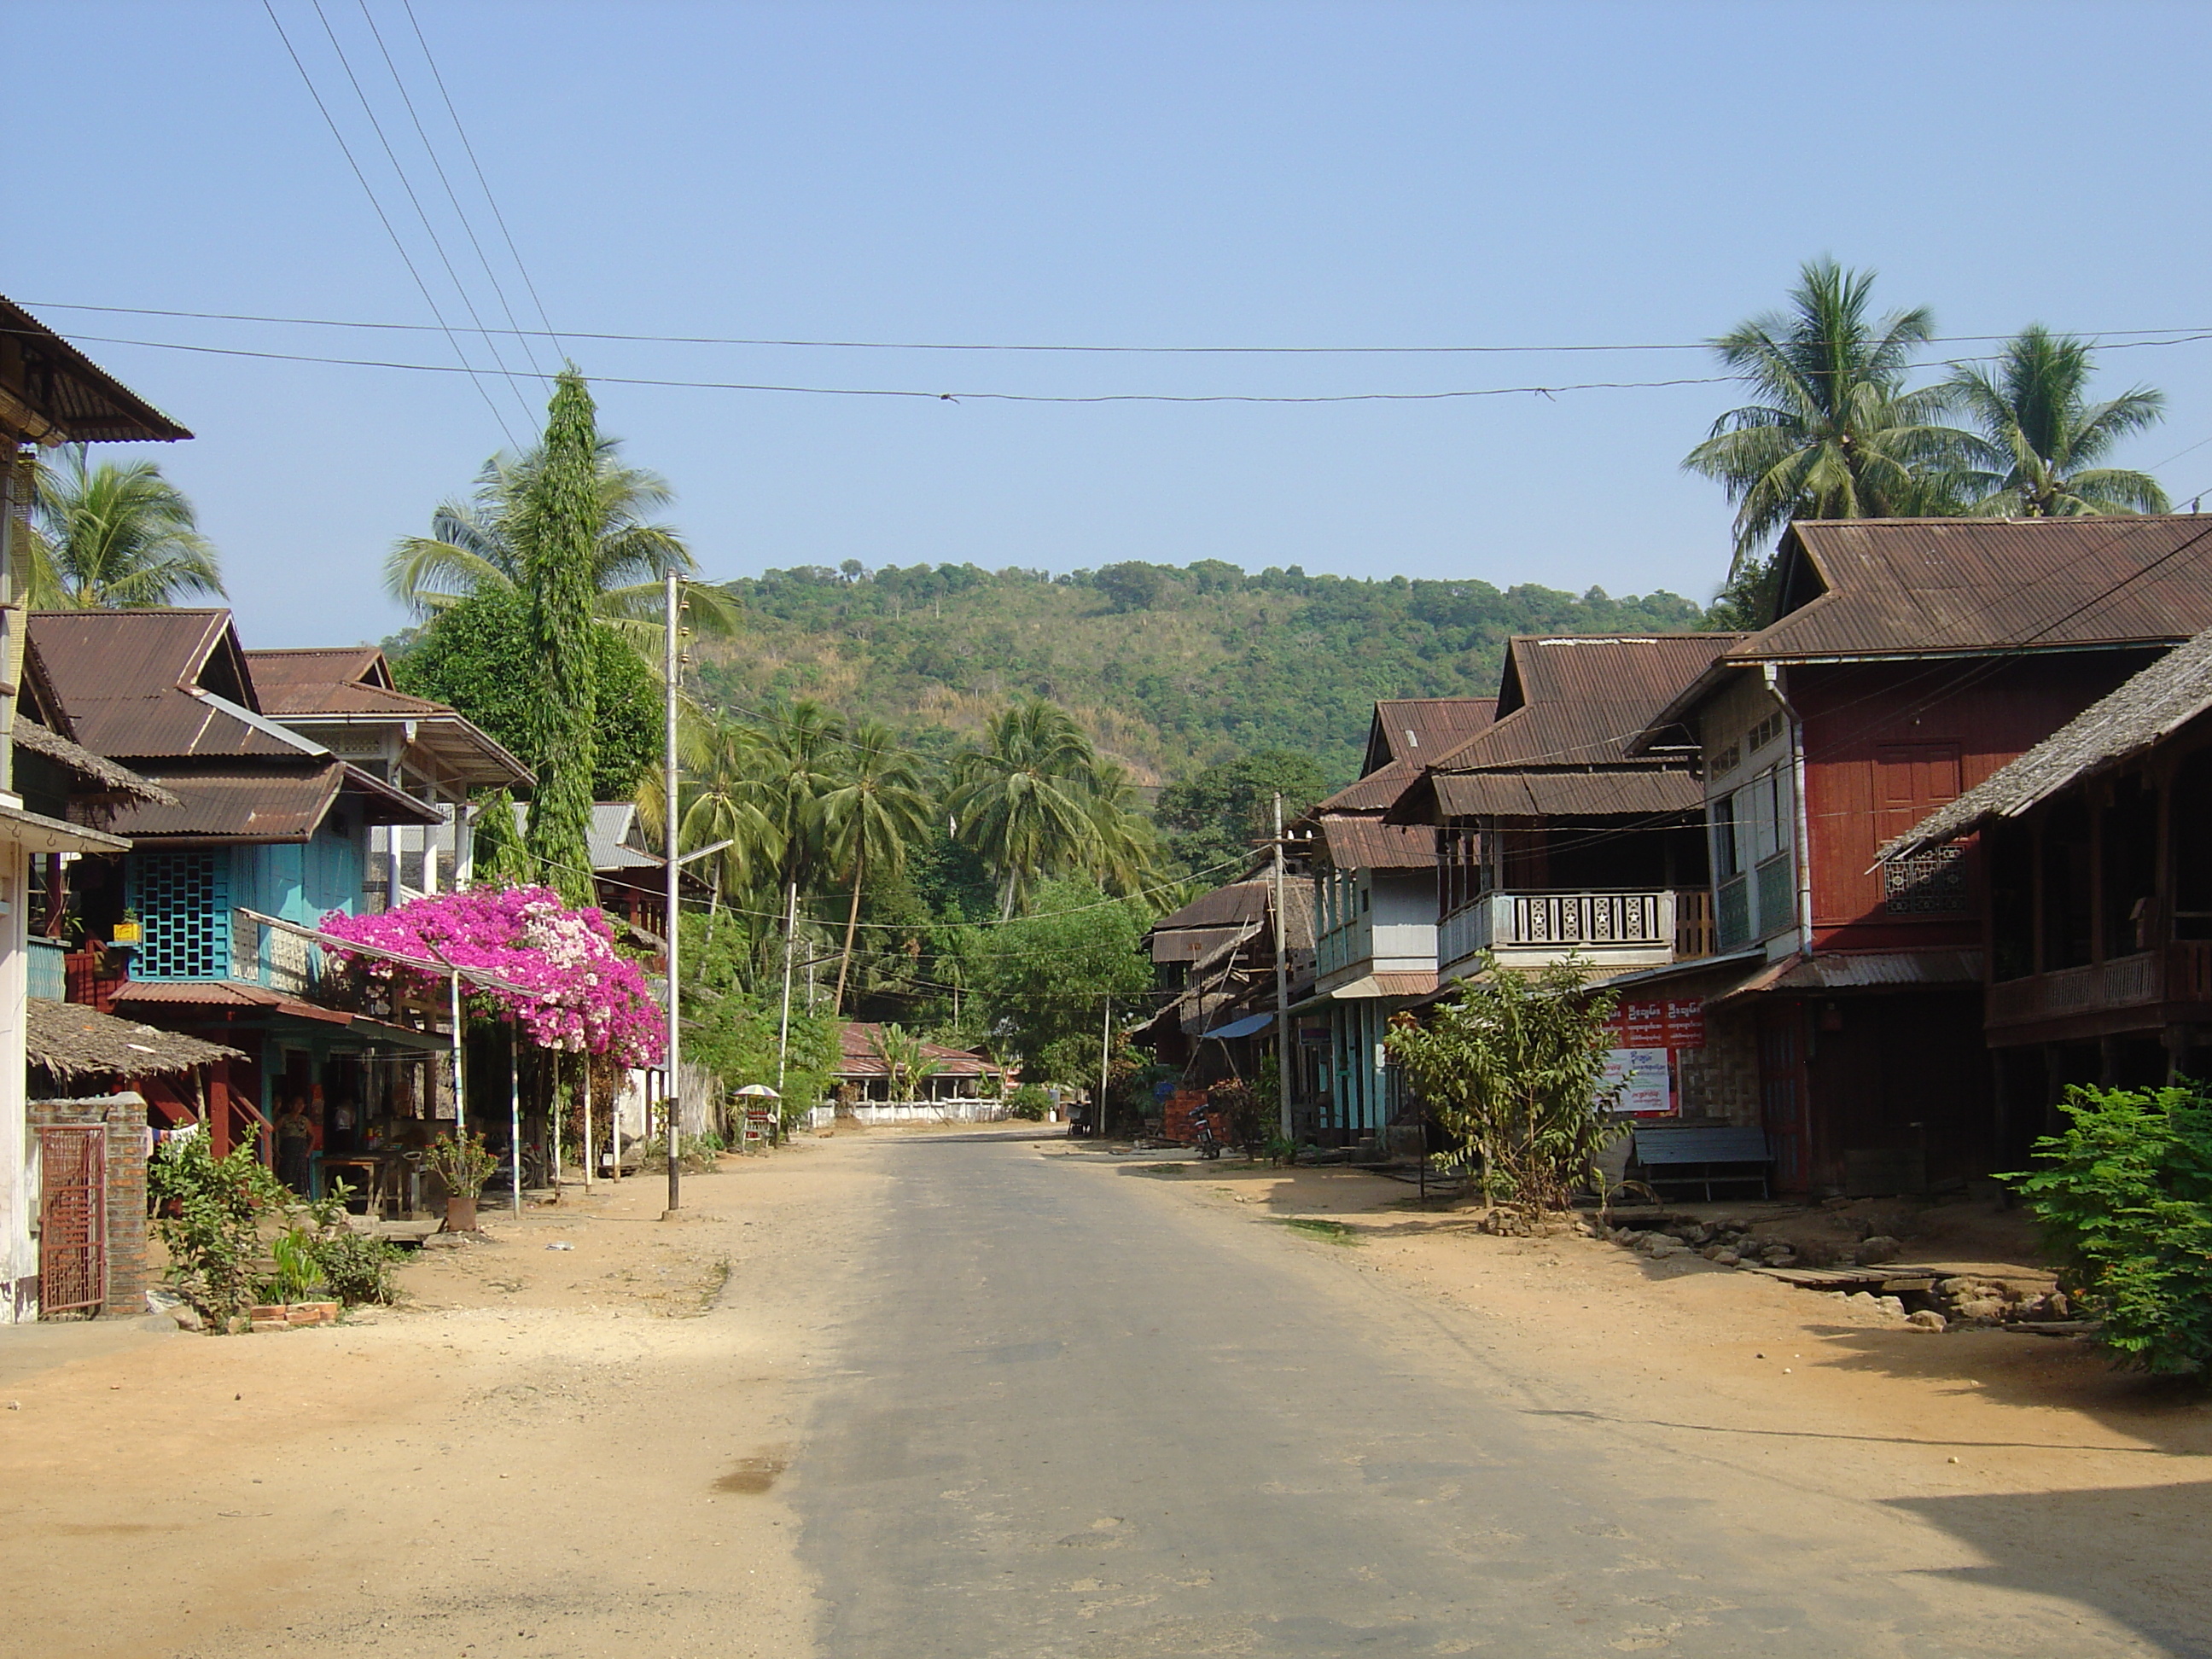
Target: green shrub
2124, 1197
355, 1268
211, 1210
1030, 1102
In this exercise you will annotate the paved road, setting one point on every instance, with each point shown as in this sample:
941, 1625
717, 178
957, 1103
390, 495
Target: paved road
1078, 1415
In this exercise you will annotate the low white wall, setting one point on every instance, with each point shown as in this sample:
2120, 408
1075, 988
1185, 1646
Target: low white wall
931, 1111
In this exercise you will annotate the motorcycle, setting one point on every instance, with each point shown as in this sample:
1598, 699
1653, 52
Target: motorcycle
1203, 1137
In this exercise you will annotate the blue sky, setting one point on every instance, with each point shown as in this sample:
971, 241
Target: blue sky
1188, 174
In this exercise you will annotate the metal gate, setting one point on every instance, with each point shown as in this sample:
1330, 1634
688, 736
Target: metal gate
72, 1220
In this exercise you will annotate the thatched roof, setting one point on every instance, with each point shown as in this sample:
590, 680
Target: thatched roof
2145, 710
97, 770
71, 1041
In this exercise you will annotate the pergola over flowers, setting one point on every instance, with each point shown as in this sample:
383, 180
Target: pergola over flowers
577, 993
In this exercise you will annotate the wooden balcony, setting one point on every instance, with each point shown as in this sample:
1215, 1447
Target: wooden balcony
1615, 929
2178, 973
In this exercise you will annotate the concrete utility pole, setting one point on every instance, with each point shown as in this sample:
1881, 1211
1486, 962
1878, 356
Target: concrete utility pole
1105, 1067
783, 1031
675, 875
1282, 983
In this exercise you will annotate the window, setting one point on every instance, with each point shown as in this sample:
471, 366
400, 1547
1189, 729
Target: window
184, 907
1912, 780
1727, 857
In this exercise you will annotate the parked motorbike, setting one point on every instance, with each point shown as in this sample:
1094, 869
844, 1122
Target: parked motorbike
1207, 1142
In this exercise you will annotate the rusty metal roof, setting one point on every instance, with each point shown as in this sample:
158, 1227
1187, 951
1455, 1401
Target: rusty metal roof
1905, 587
266, 804
1368, 844
2144, 710
157, 685
1229, 906
1578, 700
1617, 792
76, 399
858, 1057
1860, 970
339, 680
1423, 729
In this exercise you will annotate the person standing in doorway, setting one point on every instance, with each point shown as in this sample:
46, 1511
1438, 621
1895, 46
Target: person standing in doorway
296, 1141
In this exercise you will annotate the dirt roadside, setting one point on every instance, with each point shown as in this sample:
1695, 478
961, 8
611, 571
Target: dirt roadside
2029, 1449
544, 1451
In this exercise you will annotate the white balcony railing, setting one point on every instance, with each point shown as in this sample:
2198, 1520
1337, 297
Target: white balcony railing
1607, 925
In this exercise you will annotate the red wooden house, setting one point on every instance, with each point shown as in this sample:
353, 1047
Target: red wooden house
1910, 660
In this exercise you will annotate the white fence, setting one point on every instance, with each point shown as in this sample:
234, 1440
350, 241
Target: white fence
921, 1111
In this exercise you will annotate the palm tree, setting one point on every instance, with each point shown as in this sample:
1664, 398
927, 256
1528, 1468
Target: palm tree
555, 526
471, 547
727, 796
1835, 433
1024, 798
1126, 859
114, 538
2041, 439
877, 809
800, 768
906, 1064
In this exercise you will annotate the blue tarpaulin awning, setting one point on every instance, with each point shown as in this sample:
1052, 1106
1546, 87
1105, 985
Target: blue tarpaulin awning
1244, 1027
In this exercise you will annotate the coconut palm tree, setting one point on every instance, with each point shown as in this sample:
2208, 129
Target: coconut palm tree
1023, 798
472, 546
1126, 859
2040, 439
906, 1061
113, 537
727, 796
802, 765
1834, 434
877, 809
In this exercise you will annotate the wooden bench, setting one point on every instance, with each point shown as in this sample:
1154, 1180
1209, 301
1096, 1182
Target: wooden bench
1673, 1161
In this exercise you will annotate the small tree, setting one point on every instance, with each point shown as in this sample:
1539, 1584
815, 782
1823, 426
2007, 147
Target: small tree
211, 1210
1513, 1068
2126, 1199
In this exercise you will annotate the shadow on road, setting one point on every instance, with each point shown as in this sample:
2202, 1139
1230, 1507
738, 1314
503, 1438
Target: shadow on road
2134, 1553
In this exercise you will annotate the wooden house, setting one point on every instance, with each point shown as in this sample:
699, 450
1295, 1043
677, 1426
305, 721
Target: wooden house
1375, 915
2095, 901
1910, 660
50, 394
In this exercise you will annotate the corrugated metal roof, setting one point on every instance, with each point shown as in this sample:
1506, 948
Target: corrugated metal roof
1378, 790
353, 680
2153, 705
1885, 587
1615, 791
858, 1057
1229, 906
1860, 970
266, 804
1367, 843
1190, 944
1579, 701
1422, 729
127, 680
60, 383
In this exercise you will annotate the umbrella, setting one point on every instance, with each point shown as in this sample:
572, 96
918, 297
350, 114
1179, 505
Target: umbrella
760, 1091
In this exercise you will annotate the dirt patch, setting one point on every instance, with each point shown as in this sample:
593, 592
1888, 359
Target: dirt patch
504, 1459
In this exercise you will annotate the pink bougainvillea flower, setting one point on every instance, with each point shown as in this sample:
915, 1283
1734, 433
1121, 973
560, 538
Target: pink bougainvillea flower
574, 992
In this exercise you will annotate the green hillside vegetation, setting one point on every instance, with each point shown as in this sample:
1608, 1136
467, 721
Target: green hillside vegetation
1169, 670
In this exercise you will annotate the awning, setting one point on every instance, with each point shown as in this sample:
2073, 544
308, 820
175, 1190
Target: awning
36, 833
72, 1040
1244, 1027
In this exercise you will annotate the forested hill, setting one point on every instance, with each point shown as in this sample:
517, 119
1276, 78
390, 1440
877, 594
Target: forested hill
1170, 669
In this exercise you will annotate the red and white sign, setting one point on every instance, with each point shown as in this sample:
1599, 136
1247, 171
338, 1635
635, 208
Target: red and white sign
1677, 1023
1649, 1080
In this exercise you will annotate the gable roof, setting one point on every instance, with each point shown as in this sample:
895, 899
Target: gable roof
1419, 729
338, 679
158, 684
264, 804
857, 1056
2143, 711
1870, 589
56, 392
1579, 699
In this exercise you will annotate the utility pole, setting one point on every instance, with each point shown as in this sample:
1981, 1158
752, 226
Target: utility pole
1105, 1068
783, 1033
1282, 984
675, 875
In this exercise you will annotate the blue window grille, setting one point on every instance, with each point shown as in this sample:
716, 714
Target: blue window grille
183, 901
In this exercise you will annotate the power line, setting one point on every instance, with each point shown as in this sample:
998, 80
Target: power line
927, 396
437, 243
499, 291
384, 219
2114, 339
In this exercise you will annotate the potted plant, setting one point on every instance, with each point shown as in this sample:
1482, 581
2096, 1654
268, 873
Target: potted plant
464, 1164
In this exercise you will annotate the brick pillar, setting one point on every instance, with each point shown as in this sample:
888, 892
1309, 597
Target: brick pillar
123, 1116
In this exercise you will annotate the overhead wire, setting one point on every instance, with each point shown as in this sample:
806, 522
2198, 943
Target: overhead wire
485, 184
468, 227
385, 219
437, 243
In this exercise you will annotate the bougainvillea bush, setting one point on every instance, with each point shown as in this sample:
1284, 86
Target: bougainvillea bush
575, 992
